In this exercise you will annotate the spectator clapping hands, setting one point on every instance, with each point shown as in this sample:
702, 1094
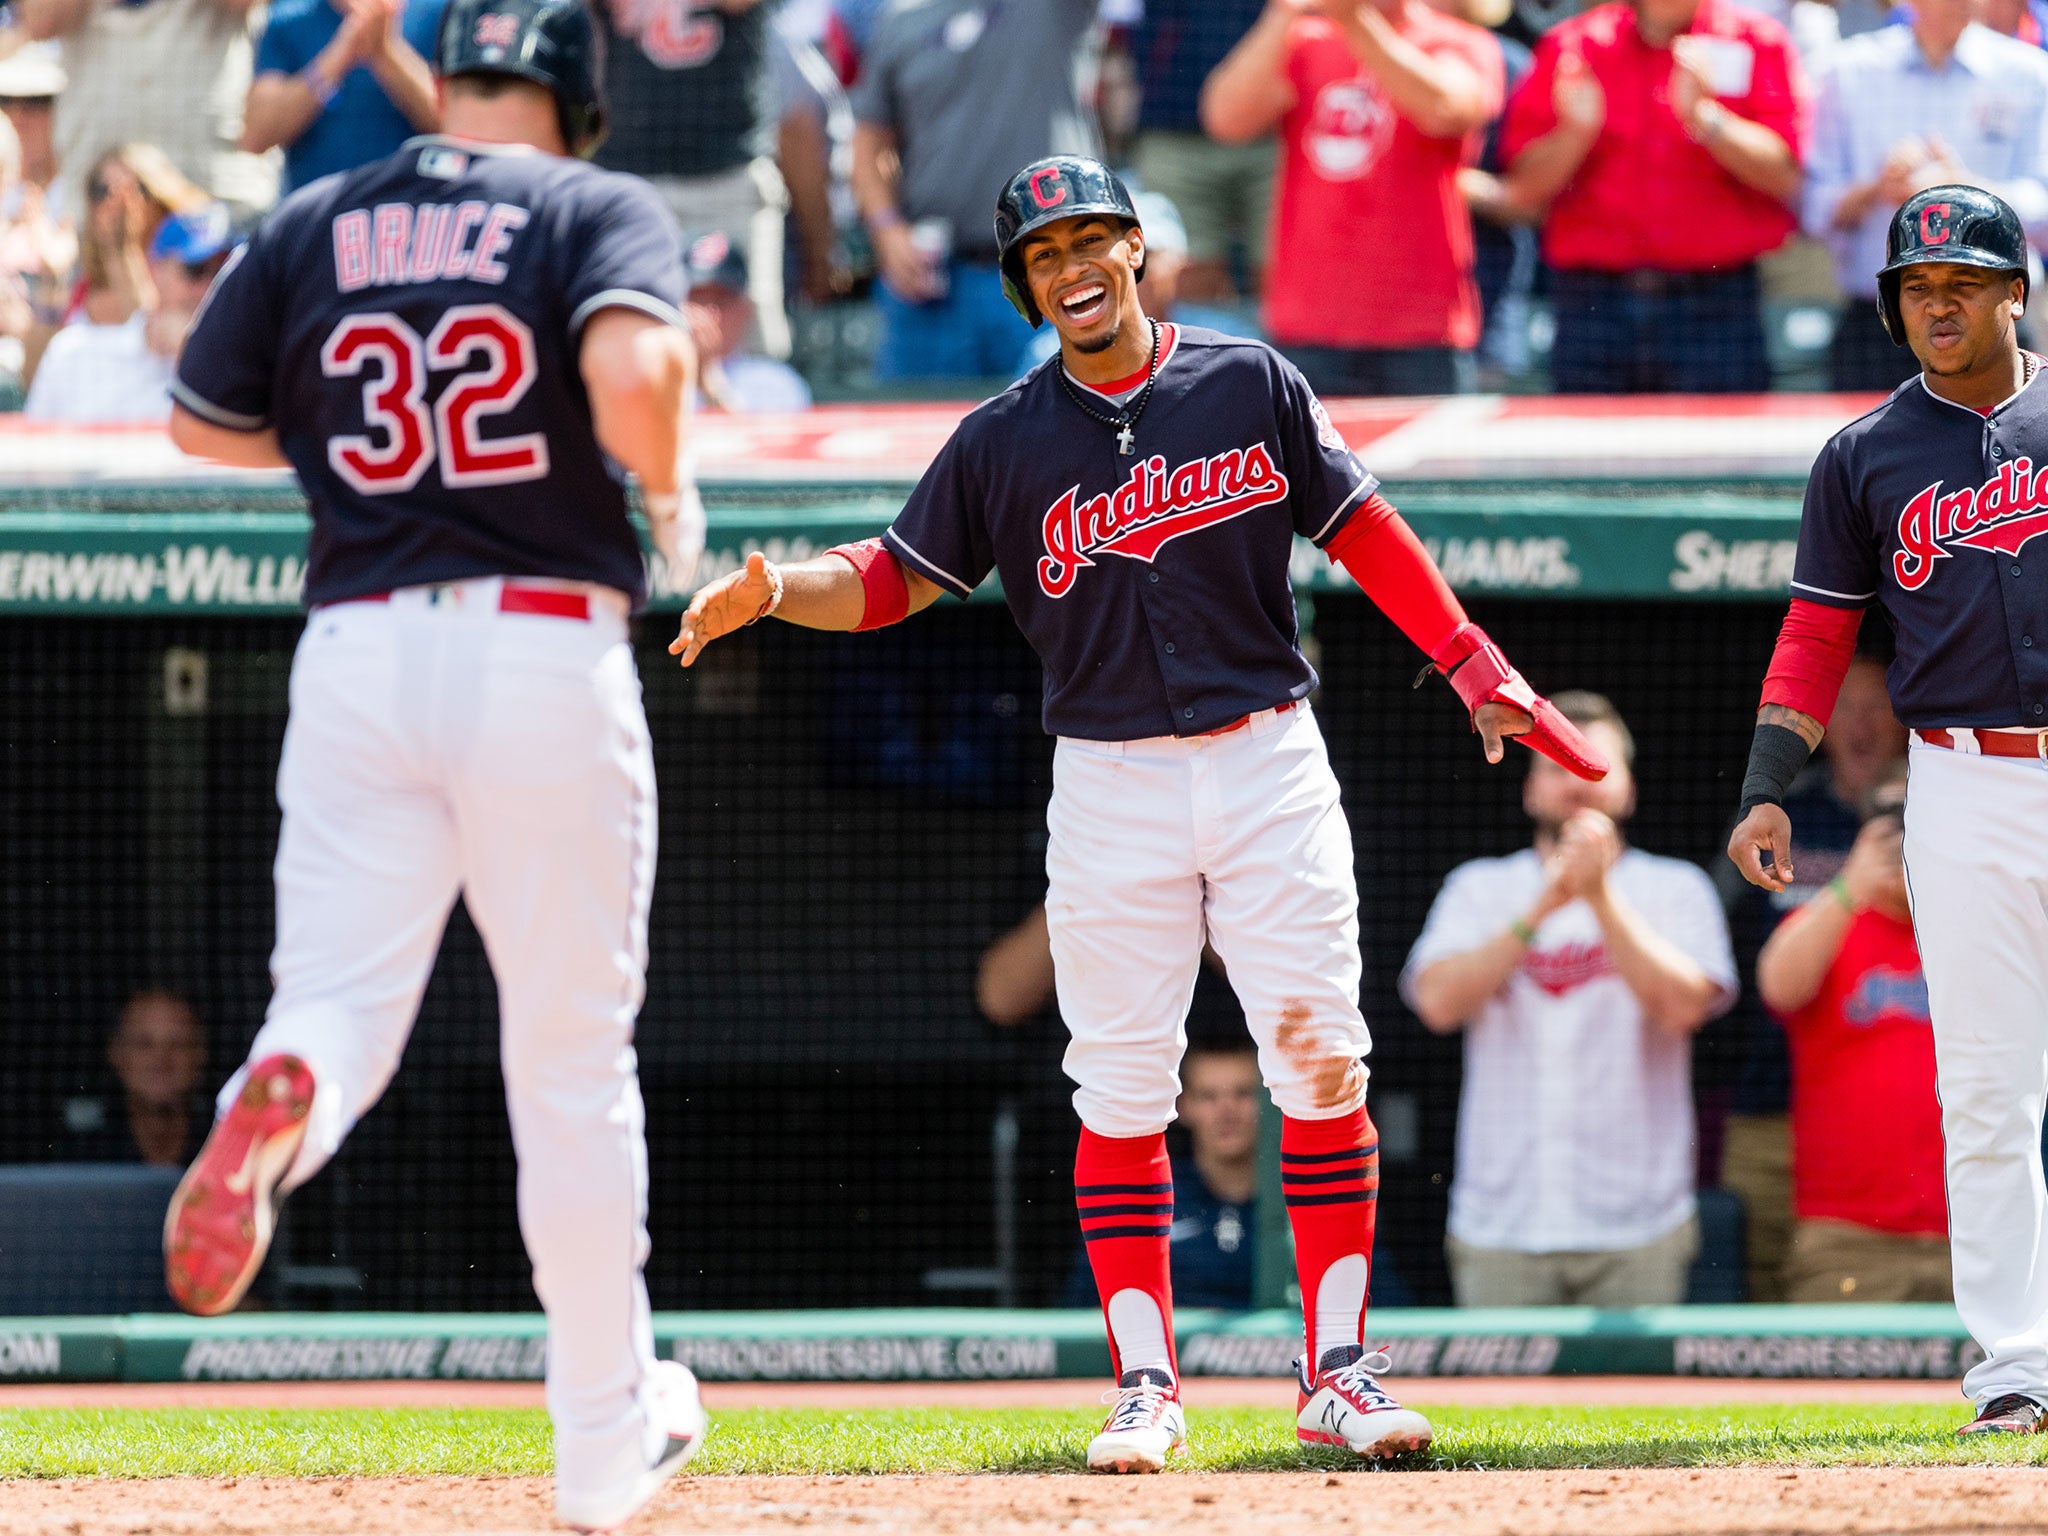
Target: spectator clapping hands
1587, 846
1875, 874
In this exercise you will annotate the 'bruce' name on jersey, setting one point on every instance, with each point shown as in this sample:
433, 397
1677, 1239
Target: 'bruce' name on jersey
424, 242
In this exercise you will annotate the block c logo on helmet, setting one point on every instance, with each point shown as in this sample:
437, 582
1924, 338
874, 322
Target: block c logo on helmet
1040, 178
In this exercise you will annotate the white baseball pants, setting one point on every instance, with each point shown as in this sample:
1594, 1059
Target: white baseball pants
1239, 838
436, 745
1978, 877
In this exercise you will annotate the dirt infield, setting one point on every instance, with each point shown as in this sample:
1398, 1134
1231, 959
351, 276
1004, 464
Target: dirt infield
1741, 1502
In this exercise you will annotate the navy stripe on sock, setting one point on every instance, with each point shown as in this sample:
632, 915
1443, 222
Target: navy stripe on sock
1089, 1235
1353, 1197
1340, 1176
1125, 1210
1123, 1188
1327, 1157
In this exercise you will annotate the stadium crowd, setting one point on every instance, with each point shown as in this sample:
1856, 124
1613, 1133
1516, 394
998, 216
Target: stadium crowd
1407, 196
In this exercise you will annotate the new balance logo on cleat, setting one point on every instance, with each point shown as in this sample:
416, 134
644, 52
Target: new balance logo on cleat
1345, 1406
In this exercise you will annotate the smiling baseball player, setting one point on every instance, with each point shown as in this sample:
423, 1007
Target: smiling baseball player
1139, 495
453, 347
1929, 506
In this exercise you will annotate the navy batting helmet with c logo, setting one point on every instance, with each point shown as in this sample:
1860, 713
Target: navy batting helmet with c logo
1964, 225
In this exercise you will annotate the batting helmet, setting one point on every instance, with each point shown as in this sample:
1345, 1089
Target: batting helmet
1044, 192
1964, 225
551, 42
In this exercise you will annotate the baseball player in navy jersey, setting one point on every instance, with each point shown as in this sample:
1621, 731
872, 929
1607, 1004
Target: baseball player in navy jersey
1139, 495
454, 347
1929, 506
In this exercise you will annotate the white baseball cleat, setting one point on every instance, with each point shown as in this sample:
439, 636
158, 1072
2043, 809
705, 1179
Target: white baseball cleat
1345, 1406
675, 1411
1144, 1427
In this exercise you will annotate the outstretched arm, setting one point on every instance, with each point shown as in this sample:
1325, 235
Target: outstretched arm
856, 586
1383, 555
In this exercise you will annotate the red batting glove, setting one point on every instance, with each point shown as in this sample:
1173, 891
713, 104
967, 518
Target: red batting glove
1481, 675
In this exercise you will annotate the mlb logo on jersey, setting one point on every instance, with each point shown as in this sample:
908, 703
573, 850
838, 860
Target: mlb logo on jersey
1153, 507
497, 30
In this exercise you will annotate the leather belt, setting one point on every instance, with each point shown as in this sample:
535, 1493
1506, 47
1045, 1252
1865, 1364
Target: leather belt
1994, 743
513, 597
1243, 720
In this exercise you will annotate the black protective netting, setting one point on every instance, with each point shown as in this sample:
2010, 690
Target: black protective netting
847, 821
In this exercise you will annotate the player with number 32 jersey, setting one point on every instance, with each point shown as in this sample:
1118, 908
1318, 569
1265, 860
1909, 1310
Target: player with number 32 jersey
462, 350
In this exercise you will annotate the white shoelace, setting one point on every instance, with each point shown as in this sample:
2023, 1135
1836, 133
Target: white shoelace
1136, 1407
1358, 1378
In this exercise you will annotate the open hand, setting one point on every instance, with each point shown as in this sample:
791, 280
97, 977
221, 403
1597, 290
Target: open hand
722, 606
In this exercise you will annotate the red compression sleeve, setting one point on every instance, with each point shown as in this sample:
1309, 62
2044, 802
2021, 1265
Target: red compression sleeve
885, 593
1816, 643
1382, 554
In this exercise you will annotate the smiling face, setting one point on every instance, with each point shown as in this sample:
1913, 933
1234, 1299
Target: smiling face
1082, 274
1959, 320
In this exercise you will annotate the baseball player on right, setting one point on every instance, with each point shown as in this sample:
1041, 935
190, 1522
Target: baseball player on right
1928, 505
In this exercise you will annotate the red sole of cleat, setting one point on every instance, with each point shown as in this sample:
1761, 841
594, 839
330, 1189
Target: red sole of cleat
219, 1224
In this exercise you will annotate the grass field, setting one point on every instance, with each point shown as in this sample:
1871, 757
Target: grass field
128, 1443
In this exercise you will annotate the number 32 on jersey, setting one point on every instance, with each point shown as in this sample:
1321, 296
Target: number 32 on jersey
491, 350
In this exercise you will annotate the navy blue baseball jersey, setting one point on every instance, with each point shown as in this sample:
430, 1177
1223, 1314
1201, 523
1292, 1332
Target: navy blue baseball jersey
1928, 507
1153, 585
410, 329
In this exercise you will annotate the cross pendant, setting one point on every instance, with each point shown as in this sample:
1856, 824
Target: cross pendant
1125, 441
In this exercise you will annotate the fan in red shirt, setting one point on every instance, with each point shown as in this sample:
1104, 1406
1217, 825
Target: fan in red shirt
1369, 286
1663, 137
1844, 974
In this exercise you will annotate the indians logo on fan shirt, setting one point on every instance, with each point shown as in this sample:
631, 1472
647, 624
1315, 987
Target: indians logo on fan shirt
1349, 129
1567, 968
1152, 508
676, 34
1999, 516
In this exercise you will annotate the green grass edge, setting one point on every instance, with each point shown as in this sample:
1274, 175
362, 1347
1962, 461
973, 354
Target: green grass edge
476, 1442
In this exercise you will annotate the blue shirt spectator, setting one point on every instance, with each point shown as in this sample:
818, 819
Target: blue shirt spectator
342, 84
1903, 108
